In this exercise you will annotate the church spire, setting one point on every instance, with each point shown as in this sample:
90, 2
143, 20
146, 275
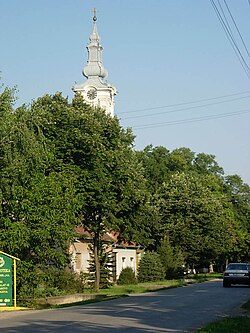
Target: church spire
95, 90
95, 68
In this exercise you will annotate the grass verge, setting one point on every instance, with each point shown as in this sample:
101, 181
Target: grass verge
246, 306
152, 286
228, 325
239, 324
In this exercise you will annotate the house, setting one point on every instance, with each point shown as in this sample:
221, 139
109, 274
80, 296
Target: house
125, 255
121, 254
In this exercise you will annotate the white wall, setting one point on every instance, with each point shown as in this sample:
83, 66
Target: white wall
79, 256
125, 258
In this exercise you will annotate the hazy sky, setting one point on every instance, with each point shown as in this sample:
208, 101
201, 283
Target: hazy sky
179, 80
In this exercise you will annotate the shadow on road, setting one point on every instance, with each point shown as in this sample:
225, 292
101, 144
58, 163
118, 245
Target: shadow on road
172, 311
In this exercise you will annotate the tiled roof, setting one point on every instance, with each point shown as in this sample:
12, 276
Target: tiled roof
111, 236
106, 237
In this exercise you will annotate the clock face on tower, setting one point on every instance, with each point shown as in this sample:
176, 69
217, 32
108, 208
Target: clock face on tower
92, 93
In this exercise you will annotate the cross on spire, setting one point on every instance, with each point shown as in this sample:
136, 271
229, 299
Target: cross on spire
94, 18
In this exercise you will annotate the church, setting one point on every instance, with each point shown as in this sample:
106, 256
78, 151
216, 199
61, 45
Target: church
95, 90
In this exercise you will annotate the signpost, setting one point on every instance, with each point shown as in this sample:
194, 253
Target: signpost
7, 289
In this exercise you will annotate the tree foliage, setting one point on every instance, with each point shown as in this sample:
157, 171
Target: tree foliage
172, 259
37, 204
65, 163
197, 216
238, 194
150, 268
195, 206
109, 184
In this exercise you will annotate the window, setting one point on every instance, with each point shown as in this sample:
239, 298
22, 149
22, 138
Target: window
131, 262
123, 262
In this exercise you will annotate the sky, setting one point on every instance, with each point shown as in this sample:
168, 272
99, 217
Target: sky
180, 82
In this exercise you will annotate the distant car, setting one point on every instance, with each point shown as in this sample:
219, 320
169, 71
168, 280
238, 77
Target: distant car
236, 273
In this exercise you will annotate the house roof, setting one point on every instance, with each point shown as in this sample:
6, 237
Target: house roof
112, 236
90, 235
122, 243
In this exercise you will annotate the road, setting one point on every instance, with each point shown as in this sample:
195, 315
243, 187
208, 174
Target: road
174, 311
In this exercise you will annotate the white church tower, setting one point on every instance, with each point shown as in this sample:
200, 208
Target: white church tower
95, 90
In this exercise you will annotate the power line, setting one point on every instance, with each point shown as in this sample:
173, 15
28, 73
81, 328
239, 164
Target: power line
230, 13
184, 109
185, 103
232, 39
192, 120
228, 31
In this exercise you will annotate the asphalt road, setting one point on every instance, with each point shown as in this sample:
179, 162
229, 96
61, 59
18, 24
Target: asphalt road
174, 310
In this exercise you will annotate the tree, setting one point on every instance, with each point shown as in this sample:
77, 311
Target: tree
31, 196
110, 187
181, 159
238, 194
162, 168
150, 268
105, 263
155, 161
171, 258
197, 216
159, 164
36, 204
206, 163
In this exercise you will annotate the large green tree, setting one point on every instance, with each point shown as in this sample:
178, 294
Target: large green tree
155, 161
197, 217
238, 194
109, 184
36, 205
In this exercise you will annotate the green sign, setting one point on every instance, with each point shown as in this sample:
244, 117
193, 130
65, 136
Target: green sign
5, 281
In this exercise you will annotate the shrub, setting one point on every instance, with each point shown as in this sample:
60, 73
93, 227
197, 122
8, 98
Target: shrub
127, 276
67, 282
150, 268
34, 282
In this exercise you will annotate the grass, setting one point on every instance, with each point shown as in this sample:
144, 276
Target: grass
156, 285
205, 277
141, 287
228, 325
246, 306
239, 324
